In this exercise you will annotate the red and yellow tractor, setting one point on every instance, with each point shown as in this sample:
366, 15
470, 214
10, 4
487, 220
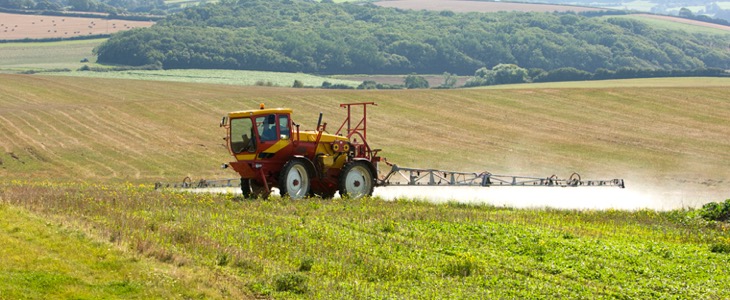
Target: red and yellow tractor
271, 151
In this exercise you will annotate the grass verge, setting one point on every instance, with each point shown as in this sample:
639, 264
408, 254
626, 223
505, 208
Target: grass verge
43, 257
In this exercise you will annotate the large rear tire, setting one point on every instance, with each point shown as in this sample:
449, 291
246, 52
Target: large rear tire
356, 180
294, 180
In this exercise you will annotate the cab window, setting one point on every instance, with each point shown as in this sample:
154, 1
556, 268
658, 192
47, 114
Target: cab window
242, 135
273, 127
284, 132
266, 126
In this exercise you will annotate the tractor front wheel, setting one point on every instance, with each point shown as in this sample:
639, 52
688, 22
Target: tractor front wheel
356, 180
294, 180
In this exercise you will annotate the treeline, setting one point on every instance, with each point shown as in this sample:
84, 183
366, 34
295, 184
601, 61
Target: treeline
329, 38
723, 13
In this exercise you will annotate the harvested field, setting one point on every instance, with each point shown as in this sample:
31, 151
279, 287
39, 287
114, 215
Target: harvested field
685, 21
480, 6
668, 136
19, 27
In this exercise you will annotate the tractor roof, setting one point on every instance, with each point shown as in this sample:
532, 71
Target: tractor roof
259, 112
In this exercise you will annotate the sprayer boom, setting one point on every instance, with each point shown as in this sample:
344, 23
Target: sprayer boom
431, 177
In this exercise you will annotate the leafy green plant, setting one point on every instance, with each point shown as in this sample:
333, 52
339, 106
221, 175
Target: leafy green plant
306, 264
715, 211
462, 265
222, 259
291, 282
720, 247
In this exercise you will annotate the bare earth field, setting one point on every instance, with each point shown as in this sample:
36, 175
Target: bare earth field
18, 27
479, 6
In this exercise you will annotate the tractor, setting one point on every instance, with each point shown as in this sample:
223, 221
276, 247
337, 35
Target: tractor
271, 151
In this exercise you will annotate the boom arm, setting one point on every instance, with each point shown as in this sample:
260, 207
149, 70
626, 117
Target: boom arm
431, 177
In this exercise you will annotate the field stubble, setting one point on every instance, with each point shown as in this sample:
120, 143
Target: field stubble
667, 140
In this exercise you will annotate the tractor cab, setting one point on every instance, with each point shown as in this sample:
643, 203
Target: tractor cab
251, 131
260, 140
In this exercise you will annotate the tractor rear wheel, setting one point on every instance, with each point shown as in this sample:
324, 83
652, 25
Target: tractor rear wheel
356, 180
294, 180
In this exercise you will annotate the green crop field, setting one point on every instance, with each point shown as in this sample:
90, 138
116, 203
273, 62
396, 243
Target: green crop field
674, 23
230, 77
64, 59
25, 56
349, 249
78, 157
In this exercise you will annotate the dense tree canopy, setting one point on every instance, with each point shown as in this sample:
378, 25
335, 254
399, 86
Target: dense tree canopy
329, 38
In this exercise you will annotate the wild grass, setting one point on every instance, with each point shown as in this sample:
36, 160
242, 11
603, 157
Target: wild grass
372, 248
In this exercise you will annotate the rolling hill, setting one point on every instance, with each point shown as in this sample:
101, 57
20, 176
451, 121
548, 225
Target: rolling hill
656, 136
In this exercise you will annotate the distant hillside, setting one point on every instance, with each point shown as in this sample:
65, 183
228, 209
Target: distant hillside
329, 38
